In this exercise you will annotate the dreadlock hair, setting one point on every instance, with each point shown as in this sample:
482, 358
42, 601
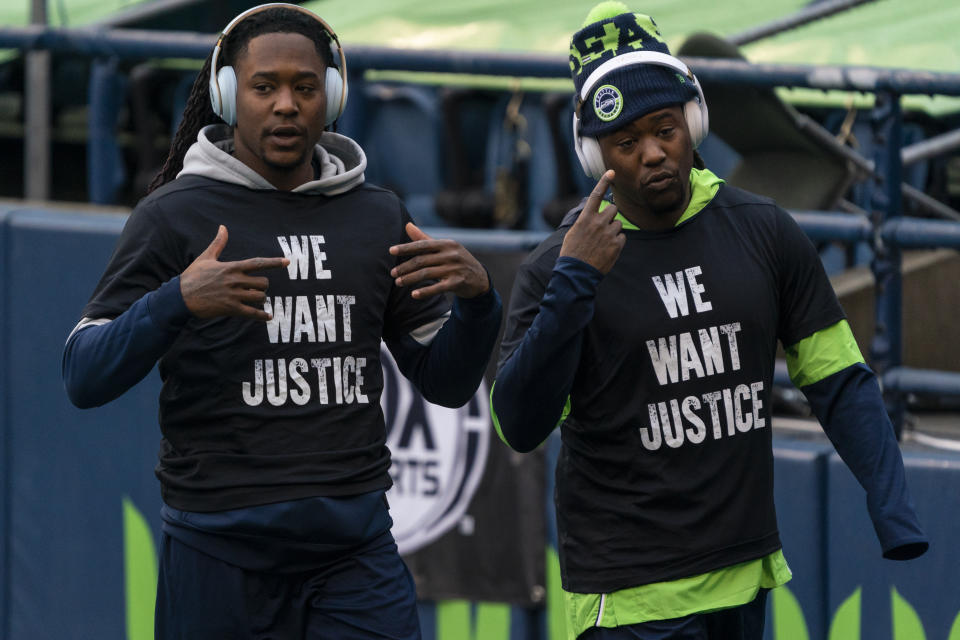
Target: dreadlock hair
698, 162
198, 112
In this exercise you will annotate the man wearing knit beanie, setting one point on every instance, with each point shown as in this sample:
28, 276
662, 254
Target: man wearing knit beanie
646, 328
628, 92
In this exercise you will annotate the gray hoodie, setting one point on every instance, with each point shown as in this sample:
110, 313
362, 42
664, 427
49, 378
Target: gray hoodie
341, 162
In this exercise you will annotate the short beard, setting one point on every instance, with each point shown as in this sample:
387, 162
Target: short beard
662, 206
288, 166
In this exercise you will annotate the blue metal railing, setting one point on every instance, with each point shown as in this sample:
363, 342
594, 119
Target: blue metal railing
845, 227
134, 43
886, 231
910, 233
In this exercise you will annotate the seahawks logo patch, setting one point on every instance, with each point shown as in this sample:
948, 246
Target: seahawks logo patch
607, 102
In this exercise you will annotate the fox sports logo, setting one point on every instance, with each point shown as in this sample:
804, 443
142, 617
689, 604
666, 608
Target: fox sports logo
438, 457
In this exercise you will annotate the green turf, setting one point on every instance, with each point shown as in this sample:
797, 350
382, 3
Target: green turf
892, 33
64, 13
884, 33
523, 25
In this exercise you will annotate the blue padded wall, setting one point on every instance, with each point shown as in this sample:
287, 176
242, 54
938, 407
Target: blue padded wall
927, 586
799, 489
4, 437
68, 470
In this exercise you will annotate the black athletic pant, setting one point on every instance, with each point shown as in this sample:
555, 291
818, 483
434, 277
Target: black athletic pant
361, 597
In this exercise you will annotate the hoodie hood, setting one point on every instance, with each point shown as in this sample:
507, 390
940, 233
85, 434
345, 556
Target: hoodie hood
341, 161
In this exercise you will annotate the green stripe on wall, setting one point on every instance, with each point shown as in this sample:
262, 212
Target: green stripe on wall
490, 620
955, 629
788, 620
556, 616
906, 622
139, 572
846, 620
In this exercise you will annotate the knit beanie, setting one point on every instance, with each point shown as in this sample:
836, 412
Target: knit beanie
630, 92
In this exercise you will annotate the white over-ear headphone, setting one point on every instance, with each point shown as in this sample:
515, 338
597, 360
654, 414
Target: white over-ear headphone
223, 83
695, 110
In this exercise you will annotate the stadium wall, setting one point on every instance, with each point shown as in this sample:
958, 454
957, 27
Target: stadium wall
79, 503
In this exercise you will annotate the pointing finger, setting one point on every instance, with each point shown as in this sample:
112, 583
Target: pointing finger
257, 264
596, 196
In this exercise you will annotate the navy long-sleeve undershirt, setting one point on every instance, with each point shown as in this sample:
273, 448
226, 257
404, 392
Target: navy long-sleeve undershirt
850, 408
102, 361
450, 369
533, 383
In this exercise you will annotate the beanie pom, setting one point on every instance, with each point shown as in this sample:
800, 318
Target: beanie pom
604, 10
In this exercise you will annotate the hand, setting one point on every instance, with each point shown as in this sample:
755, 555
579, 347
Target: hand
596, 238
212, 288
445, 261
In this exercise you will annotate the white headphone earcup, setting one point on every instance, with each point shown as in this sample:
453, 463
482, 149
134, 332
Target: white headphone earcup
591, 158
588, 152
698, 122
227, 82
334, 90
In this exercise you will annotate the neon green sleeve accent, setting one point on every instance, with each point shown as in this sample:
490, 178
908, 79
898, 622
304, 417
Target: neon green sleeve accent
496, 419
565, 412
822, 354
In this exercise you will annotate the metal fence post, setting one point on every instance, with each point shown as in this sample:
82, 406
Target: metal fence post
887, 347
37, 118
105, 168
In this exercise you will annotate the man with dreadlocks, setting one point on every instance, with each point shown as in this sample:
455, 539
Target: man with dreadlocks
273, 463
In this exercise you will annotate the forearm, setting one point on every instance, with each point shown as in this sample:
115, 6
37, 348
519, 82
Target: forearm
449, 369
850, 407
101, 361
534, 382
